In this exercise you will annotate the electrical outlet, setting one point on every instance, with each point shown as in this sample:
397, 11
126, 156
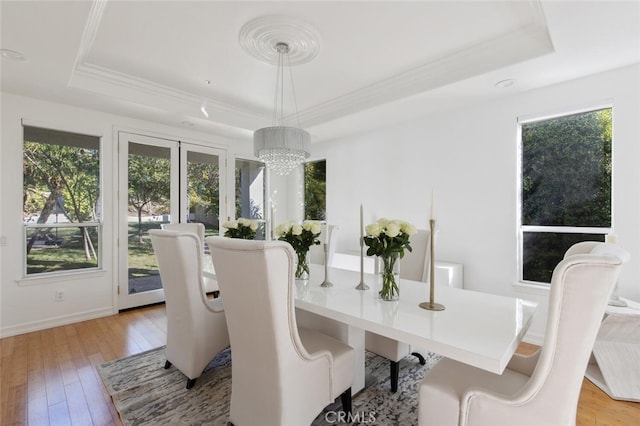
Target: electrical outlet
59, 295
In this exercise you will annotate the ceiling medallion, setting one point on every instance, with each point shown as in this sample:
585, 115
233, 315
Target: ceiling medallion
260, 37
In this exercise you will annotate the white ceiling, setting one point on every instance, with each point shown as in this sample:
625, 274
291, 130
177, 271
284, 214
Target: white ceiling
378, 62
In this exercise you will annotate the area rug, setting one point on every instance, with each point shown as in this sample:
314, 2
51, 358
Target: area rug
144, 393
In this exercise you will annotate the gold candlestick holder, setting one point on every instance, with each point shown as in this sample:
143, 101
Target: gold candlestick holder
326, 282
362, 285
431, 305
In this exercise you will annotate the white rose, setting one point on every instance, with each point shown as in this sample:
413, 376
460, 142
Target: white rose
232, 224
408, 228
282, 229
373, 230
383, 222
242, 221
392, 229
316, 227
296, 229
253, 225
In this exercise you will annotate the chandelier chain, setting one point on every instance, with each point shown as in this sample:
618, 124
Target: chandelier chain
282, 148
293, 89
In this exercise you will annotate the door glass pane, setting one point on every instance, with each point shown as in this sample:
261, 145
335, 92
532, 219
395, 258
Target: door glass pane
249, 199
203, 191
149, 206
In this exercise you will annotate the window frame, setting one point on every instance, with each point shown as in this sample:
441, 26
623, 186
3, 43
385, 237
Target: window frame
521, 229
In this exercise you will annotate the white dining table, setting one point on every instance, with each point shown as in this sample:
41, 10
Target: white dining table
475, 328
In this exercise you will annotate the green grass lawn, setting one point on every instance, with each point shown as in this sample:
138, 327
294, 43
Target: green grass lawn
69, 254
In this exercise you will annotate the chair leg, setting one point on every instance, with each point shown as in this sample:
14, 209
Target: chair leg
345, 397
167, 364
190, 383
394, 373
420, 358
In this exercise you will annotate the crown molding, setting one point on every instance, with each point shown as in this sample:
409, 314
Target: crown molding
113, 83
525, 43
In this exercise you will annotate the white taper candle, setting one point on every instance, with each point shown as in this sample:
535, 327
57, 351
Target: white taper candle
272, 218
361, 222
433, 204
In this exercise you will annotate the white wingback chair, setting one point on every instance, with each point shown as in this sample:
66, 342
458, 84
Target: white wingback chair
193, 227
413, 266
299, 371
540, 389
210, 285
196, 326
598, 247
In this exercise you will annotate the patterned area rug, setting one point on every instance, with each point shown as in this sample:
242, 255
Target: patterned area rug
144, 393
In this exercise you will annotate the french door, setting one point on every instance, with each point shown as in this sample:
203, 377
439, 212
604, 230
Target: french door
161, 181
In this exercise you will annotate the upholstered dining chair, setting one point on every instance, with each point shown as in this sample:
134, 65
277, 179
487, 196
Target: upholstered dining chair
601, 248
413, 266
194, 227
539, 389
196, 326
210, 284
299, 371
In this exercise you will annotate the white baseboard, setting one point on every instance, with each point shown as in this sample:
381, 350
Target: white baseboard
15, 330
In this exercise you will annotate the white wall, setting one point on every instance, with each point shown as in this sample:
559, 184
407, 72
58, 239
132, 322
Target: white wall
31, 306
469, 157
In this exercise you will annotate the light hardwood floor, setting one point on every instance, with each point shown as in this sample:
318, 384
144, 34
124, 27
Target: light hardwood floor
49, 378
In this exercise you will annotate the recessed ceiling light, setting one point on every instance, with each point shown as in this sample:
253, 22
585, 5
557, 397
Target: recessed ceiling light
14, 55
503, 84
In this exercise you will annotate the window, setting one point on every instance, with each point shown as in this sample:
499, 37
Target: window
315, 190
61, 201
565, 187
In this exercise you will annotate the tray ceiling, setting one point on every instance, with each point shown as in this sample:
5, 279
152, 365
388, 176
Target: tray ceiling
376, 62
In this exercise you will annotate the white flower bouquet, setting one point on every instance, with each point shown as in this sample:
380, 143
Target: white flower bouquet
388, 239
241, 228
301, 236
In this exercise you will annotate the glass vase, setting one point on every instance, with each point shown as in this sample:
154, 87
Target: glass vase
302, 268
388, 277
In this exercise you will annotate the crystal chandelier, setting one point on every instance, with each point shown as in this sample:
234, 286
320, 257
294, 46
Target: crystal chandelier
281, 148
